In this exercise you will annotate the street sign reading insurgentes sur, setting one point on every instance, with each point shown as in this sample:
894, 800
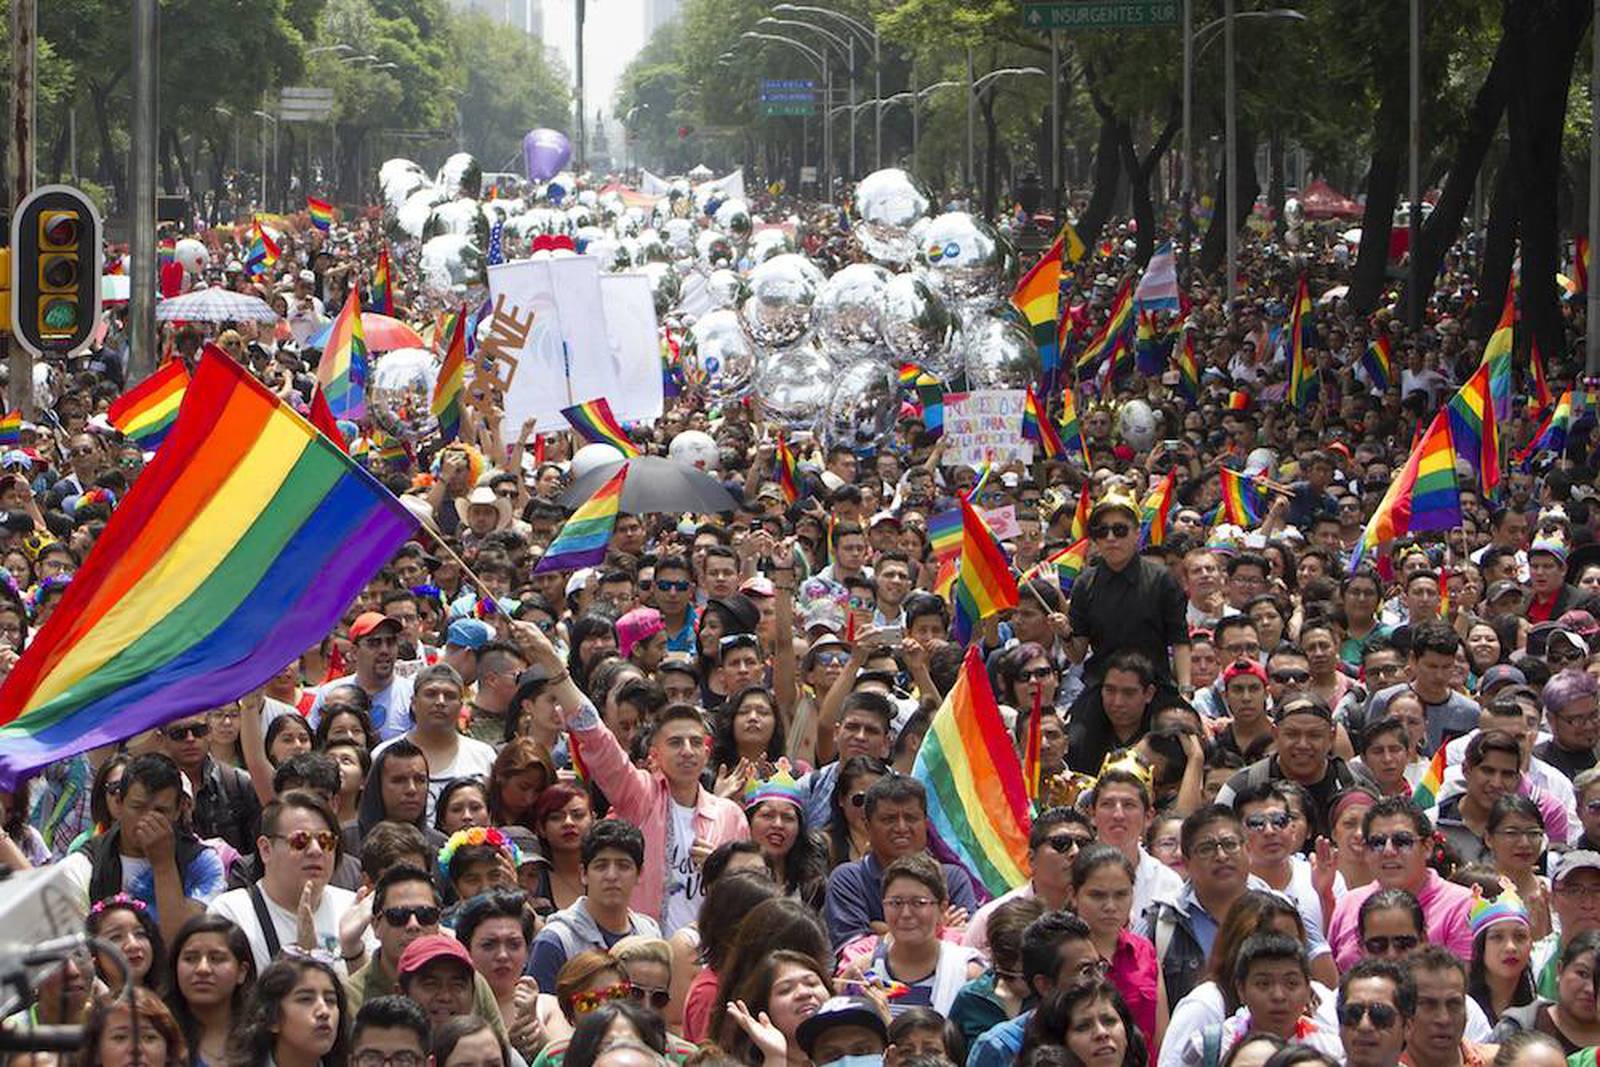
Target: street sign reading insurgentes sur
1101, 14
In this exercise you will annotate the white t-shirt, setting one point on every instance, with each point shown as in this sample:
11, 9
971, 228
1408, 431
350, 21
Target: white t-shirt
391, 705
473, 758
1152, 881
235, 904
684, 888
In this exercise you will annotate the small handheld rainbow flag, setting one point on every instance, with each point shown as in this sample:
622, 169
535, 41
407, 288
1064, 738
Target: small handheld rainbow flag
944, 534
343, 370
382, 299
1444, 590
1188, 367
1426, 794
1068, 563
1243, 502
1036, 427
595, 423
321, 213
1378, 362
11, 429
984, 586
1037, 297
788, 472
145, 413
1115, 333
1156, 510
447, 391
1302, 375
264, 251
1080, 514
583, 538
1473, 429
1497, 354
1069, 429
977, 799
1551, 436
1541, 400
1422, 497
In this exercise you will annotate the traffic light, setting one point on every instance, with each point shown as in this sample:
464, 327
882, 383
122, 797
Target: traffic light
55, 270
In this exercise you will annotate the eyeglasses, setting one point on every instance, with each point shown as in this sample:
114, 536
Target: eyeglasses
1379, 946
656, 996
835, 658
1383, 1016
1112, 529
1221, 846
589, 999
371, 1057
400, 915
1288, 677
301, 840
1401, 840
195, 730
1577, 892
1064, 843
904, 903
665, 586
1513, 833
1038, 674
1096, 968
1261, 821
1581, 720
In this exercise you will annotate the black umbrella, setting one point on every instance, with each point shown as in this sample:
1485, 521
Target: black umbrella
655, 485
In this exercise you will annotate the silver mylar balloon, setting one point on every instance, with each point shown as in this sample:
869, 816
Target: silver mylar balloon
888, 203
725, 289
679, 236
716, 344
610, 252
999, 354
461, 176
967, 257
665, 286
650, 248
400, 391
915, 323
412, 217
733, 216
713, 249
862, 405
463, 216
781, 307
1137, 423
849, 309
398, 179
794, 384
452, 265
764, 244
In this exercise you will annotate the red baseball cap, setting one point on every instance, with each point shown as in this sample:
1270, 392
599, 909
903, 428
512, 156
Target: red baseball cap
1244, 666
429, 947
368, 621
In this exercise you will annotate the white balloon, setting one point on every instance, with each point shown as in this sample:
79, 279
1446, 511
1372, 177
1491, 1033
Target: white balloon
696, 448
591, 457
192, 255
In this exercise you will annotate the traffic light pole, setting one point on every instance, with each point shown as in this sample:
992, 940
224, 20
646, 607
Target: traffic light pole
142, 194
19, 171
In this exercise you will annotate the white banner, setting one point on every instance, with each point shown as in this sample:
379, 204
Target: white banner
652, 185
550, 318
984, 426
635, 343
727, 187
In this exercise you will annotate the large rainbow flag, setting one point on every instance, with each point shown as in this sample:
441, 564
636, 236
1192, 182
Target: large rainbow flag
447, 391
321, 213
1038, 297
1115, 335
1473, 429
596, 424
145, 413
584, 536
343, 370
1422, 497
240, 545
984, 585
977, 799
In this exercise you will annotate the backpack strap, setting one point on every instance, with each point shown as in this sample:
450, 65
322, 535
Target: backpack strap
1166, 926
269, 932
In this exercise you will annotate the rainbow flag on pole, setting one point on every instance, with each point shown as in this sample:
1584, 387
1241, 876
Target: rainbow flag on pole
382, 298
1243, 502
238, 547
1038, 296
321, 213
1188, 366
1037, 427
1426, 794
977, 799
1497, 355
145, 413
1302, 375
1068, 564
1551, 436
1378, 362
984, 585
1157, 509
11, 429
1473, 430
583, 538
788, 471
1114, 335
263, 253
1541, 399
944, 534
1422, 497
343, 370
596, 424
447, 391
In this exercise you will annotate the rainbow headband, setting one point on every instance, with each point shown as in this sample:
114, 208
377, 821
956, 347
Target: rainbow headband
477, 835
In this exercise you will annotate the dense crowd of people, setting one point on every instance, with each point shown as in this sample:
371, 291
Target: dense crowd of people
663, 809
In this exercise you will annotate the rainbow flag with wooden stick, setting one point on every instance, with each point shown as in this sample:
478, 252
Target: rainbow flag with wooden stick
977, 798
448, 390
239, 546
1244, 503
145, 413
596, 424
583, 538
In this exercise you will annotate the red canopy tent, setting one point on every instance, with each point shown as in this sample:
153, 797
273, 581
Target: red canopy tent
1321, 201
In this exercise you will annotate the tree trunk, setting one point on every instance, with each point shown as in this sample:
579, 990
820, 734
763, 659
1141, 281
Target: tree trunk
1214, 249
1443, 226
1140, 171
1107, 168
1545, 47
991, 154
110, 170
1277, 191
1499, 251
58, 153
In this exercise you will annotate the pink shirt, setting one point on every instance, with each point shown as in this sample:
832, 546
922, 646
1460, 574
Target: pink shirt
1444, 909
697, 1005
1133, 972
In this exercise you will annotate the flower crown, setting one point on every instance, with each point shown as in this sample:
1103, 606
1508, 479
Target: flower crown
477, 835
117, 900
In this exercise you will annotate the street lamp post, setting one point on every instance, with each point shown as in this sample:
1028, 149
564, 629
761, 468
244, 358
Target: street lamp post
868, 36
847, 48
820, 60
266, 117
1230, 153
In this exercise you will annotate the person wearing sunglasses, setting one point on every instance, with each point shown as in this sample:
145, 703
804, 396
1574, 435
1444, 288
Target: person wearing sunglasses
1271, 843
298, 849
225, 801
1123, 602
647, 962
674, 599
1400, 841
1376, 1001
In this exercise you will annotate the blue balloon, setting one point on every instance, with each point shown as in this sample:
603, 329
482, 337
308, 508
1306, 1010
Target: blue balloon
545, 152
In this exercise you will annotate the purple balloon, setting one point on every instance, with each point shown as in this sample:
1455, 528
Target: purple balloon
545, 152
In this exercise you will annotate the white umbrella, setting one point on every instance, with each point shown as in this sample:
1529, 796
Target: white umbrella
215, 305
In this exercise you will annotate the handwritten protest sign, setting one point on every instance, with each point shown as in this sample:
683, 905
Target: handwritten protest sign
985, 425
1003, 522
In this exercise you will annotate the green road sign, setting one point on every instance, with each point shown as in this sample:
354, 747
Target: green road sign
1101, 14
788, 110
